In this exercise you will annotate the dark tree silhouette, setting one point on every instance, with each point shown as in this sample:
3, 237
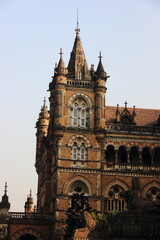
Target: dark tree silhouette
75, 214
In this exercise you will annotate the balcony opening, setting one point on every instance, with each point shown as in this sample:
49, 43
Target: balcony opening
146, 156
134, 156
122, 155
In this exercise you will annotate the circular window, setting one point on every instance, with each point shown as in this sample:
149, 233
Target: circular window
116, 189
153, 191
153, 194
110, 193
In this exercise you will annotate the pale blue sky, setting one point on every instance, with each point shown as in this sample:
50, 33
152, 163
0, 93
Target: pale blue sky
127, 32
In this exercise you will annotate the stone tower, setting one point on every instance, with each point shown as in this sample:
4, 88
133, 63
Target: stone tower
68, 156
85, 146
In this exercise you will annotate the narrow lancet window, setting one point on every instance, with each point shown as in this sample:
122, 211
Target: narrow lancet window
83, 116
75, 115
82, 152
74, 152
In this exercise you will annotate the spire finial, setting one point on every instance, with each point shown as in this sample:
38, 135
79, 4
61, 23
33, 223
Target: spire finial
125, 104
5, 189
100, 56
61, 53
30, 192
44, 100
77, 29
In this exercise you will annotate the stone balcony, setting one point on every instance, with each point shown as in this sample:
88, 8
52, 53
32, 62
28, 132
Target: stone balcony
130, 168
22, 217
111, 127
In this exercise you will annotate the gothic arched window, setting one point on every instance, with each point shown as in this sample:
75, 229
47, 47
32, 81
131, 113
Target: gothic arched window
79, 152
83, 116
82, 152
79, 113
74, 152
75, 115
115, 199
110, 154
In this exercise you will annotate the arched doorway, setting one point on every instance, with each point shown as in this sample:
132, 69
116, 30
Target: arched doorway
27, 236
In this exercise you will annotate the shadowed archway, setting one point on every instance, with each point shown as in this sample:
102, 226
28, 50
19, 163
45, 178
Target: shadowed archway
27, 236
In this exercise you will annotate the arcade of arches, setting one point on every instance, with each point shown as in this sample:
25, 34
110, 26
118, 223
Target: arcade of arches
134, 155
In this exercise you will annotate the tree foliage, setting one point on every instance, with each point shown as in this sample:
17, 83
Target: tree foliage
75, 214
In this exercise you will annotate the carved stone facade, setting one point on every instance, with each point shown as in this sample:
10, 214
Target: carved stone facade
103, 151
85, 146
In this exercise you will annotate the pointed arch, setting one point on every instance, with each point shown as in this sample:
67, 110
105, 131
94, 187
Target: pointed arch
115, 182
149, 185
80, 95
80, 178
79, 139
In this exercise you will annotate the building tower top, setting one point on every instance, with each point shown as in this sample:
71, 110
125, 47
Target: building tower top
100, 73
77, 66
4, 204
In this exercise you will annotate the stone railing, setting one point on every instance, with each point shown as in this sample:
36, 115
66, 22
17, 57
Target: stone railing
34, 215
80, 83
112, 127
27, 218
128, 167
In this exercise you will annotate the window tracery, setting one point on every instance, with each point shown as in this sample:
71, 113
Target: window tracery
115, 199
79, 113
75, 115
74, 152
153, 194
78, 187
79, 152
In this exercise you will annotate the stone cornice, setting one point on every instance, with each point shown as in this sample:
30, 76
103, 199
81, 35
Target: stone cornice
128, 139
109, 173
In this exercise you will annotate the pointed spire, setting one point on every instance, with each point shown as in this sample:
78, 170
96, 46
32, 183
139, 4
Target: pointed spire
44, 111
134, 114
77, 30
5, 189
92, 70
43, 120
29, 204
61, 69
100, 73
117, 114
125, 104
30, 194
4, 204
77, 66
117, 111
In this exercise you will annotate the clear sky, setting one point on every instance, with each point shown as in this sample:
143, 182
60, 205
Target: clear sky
127, 32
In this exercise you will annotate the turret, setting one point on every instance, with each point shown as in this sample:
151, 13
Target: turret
100, 91
4, 215
4, 204
29, 204
43, 121
42, 131
57, 90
